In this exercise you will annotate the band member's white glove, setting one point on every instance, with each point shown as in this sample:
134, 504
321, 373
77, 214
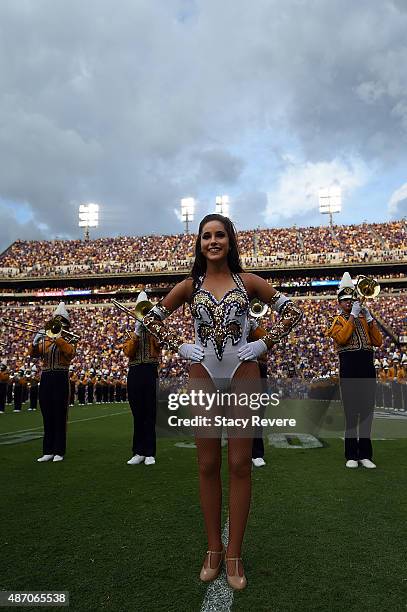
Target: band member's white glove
355, 309
367, 314
252, 350
191, 351
137, 328
38, 337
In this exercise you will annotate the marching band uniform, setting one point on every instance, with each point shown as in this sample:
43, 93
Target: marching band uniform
4, 380
98, 388
34, 386
386, 377
20, 384
91, 385
379, 387
396, 376
111, 388
27, 377
143, 352
10, 389
124, 389
105, 387
73, 379
403, 381
354, 341
117, 388
56, 355
82, 384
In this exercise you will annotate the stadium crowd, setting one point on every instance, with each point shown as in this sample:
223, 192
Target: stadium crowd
261, 247
306, 353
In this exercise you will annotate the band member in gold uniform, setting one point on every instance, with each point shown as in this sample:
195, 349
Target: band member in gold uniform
4, 380
355, 334
143, 351
56, 354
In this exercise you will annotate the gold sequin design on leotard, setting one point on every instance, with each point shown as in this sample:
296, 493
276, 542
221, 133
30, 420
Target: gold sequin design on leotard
220, 326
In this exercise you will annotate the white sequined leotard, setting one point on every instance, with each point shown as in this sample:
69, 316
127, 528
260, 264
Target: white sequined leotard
221, 328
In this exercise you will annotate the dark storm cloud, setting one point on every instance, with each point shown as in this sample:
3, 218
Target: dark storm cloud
140, 103
219, 167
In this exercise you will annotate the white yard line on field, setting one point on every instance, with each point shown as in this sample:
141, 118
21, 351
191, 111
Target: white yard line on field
102, 416
219, 595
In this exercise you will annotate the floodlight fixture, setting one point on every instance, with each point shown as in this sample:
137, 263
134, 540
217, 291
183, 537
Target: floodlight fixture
330, 201
88, 217
222, 205
187, 211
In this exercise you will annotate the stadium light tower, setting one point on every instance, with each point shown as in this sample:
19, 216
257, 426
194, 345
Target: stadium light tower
330, 201
88, 217
187, 211
222, 205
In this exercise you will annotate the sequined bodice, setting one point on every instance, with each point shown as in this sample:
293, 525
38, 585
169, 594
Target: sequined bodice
221, 324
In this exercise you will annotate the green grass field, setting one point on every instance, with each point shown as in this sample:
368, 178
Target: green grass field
130, 538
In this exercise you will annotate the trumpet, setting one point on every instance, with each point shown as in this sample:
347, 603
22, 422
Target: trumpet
366, 287
30, 328
140, 311
257, 309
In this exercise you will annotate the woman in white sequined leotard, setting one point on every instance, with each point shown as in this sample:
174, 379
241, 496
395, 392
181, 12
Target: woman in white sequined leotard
219, 295
221, 328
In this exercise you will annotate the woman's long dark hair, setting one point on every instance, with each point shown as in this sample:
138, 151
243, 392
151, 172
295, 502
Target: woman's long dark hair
199, 266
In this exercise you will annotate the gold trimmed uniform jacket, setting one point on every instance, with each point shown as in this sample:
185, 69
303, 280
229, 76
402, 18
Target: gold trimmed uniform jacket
55, 354
353, 335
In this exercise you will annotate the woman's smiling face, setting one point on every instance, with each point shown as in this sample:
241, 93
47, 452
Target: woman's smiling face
214, 241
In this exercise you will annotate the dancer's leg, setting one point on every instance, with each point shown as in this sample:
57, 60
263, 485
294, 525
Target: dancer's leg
209, 464
245, 380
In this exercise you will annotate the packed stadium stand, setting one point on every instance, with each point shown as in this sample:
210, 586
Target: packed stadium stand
262, 248
306, 263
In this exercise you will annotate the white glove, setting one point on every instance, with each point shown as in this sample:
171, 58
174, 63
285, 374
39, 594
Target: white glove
137, 328
367, 314
356, 308
38, 337
191, 351
252, 350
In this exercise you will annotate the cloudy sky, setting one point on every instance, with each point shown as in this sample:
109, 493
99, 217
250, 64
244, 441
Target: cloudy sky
137, 103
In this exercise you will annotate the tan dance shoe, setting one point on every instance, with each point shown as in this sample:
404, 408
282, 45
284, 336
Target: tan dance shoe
234, 580
210, 573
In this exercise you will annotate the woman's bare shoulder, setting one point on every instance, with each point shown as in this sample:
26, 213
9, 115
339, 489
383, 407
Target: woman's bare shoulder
188, 286
250, 280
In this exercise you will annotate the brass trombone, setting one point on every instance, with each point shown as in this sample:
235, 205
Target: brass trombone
50, 333
140, 311
366, 287
54, 328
